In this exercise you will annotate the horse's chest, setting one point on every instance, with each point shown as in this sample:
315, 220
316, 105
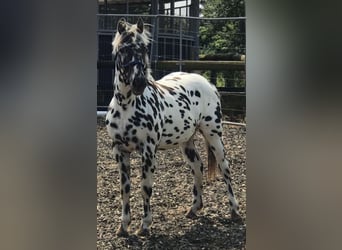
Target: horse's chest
122, 130
132, 129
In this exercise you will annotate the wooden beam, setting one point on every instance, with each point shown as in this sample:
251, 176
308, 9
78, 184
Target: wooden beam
186, 65
200, 65
223, 57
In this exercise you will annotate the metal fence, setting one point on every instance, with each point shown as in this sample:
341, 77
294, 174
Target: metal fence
177, 46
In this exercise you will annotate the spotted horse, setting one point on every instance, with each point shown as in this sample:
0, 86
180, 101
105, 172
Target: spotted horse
145, 115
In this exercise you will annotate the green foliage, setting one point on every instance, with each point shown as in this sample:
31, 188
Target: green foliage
223, 8
224, 36
226, 79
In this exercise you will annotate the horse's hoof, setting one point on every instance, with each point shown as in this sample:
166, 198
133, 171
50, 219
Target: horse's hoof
143, 232
236, 217
121, 232
191, 215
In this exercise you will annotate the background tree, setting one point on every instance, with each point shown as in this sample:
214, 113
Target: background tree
224, 37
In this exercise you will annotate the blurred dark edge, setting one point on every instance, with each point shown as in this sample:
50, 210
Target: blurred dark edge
48, 125
293, 125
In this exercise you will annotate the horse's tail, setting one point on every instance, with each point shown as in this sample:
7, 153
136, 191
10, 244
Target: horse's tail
212, 164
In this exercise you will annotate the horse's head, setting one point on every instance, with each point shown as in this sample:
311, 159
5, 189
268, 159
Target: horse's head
130, 49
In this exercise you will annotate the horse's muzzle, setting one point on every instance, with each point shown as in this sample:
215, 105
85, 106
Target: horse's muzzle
139, 85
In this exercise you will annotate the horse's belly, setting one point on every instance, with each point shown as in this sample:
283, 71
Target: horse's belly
174, 137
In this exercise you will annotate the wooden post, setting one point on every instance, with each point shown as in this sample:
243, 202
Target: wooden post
213, 77
194, 27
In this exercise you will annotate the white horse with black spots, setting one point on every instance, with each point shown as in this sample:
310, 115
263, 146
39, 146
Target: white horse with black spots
146, 115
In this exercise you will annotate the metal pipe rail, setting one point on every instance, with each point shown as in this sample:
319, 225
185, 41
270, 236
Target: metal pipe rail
183, 17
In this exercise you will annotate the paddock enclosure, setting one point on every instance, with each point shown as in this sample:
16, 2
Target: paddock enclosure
177, 29
172, 196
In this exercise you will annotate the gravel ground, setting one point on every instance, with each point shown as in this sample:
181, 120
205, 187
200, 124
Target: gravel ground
172, 196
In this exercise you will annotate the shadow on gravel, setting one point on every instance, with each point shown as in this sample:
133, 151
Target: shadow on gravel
205, 234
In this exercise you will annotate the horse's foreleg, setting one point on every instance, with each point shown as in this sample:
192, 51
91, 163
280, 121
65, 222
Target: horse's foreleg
123, 161
149, 164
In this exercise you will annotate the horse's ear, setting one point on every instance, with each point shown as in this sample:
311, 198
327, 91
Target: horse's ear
140, 25
121, 25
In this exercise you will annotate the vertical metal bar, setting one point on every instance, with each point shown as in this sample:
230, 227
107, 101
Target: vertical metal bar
106, 7
172, 8
127, 7
156, 39
155, 6
180, 44
152, 44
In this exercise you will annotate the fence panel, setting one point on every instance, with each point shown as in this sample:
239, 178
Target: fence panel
182, 44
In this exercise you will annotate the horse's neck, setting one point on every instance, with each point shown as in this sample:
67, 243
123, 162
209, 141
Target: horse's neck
122, 93
150, 78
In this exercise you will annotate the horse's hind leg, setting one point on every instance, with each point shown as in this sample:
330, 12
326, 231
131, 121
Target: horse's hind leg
193, 159
216, 145
212, 133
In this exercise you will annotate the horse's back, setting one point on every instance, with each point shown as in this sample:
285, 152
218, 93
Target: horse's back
195, 84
